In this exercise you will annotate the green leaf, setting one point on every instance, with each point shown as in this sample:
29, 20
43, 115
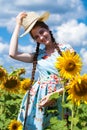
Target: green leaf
54, 96
75, 120
67, 105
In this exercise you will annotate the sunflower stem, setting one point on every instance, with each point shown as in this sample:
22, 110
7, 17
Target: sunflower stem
72, 117
63, 97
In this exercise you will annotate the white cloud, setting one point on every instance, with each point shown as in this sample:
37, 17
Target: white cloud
72, 32
83, 53
28, 48
11, 64
1, 61
62, 13
3, 48
63, 10
28, 3
72, 7
1, 39
11, 24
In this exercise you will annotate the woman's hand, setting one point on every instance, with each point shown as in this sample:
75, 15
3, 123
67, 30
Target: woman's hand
20, 17
46, 101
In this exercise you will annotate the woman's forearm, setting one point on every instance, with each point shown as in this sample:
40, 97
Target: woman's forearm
46, 100
13, 50
60, 91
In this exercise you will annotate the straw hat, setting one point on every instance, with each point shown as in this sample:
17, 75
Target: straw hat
31, 19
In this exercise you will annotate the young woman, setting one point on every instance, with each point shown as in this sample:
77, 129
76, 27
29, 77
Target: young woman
36, 101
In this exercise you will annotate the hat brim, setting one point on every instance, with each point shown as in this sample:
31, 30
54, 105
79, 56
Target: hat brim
41, 18
29, 29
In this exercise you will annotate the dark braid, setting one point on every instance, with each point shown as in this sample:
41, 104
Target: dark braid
32, 80
34, 63
55, 44
60, 52
58, 49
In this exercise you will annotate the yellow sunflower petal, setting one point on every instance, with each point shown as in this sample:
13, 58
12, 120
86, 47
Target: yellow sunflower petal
77, 89
11, 84
3, 74
25, 85
69, 64
15, 125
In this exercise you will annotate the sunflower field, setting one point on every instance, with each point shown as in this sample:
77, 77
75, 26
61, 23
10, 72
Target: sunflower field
12, 89
74, 98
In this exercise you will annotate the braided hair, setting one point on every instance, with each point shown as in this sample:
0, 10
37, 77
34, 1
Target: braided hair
41, 24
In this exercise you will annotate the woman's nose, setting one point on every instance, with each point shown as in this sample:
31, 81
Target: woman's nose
41, 37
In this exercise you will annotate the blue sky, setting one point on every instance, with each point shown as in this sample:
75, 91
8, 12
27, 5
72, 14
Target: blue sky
68, 22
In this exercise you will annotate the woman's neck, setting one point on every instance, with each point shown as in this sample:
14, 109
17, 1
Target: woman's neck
50, 49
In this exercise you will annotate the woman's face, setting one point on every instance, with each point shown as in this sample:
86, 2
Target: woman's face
41, 35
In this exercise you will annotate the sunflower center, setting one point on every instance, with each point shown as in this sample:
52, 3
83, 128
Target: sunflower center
81, 89
26, 87
1, 74
15, 127
10, 83
70, 66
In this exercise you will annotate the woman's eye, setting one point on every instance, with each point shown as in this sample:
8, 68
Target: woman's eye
42, 31
36, 37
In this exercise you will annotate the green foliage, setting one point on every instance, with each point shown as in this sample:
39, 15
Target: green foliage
82, 115
9, 102
77, 117
56, 124
54, 96
9, 107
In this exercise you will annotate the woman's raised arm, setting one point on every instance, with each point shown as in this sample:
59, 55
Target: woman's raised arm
13, 49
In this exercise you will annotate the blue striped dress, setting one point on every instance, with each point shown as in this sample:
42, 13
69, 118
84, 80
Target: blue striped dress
48, 82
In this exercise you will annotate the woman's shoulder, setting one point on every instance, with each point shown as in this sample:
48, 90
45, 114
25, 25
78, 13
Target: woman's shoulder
65, 46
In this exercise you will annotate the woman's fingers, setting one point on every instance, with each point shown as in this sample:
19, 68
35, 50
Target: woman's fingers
20, 17
43, 101
52, 103
46, 102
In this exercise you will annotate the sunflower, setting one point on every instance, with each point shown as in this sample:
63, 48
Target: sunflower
3, 74
15, 125
69, 64
25, 85
77, 89
11, 84
18, 72
21, 71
